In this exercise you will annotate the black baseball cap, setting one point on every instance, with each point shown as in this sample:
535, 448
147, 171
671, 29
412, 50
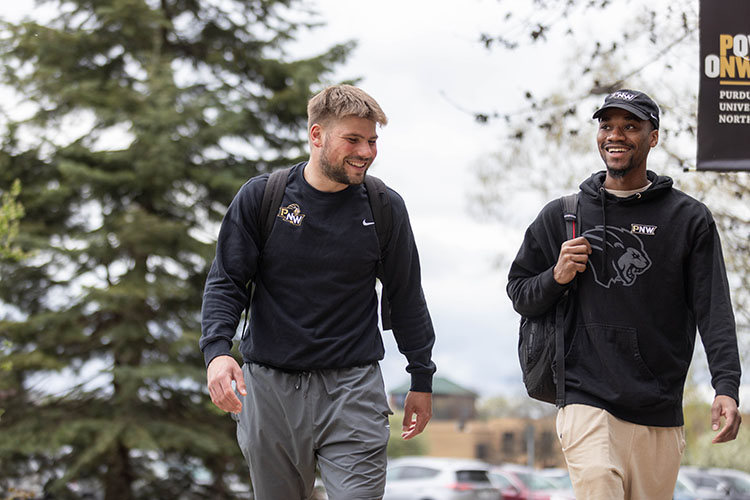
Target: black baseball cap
634, 101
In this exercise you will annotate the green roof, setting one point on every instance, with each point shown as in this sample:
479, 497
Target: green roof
440, 385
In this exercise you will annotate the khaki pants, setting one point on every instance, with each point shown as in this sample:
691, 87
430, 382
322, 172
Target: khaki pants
610, 459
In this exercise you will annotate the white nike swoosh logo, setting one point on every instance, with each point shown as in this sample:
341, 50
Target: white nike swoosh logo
365, 223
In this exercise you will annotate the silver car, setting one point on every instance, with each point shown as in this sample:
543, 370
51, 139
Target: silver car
702, 484
435, 478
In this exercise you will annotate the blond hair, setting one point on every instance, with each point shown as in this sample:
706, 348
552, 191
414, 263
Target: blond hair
338, 101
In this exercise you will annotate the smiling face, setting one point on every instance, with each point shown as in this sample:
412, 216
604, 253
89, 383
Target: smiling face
624, 142
343, 150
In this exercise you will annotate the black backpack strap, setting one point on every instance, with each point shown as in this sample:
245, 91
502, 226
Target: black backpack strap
269, 205
273, 194
382, 215
380, 204
570, 215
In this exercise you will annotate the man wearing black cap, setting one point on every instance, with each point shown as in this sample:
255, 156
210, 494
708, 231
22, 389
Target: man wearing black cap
646, 270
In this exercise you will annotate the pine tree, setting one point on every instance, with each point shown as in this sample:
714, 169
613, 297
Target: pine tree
11, 212
146, 117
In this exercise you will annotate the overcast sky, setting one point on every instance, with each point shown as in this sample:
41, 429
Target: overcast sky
423, 62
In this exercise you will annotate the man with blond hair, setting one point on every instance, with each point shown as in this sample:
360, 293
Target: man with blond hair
310, 392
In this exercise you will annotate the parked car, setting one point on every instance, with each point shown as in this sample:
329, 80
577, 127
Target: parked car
561, 477
528, 484
508, 489
709, 486
683, 492
737, 483
417, 478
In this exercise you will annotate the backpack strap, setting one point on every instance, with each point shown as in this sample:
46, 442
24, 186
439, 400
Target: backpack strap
272, 197
380, 204
382, 215
273, 194
570, 215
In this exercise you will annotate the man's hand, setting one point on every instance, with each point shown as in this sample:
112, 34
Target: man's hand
725, 406
574, 254
417, 412
222, 370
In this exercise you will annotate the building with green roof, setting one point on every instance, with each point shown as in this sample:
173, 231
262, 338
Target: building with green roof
450, 401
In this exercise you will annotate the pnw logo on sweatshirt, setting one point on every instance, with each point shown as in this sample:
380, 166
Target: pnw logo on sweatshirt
291, 214
643, 229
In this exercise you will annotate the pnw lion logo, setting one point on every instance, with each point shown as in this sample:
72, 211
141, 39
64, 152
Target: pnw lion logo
291, 214
626, 256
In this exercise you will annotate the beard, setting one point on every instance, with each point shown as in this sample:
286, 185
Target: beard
619, 173
337, 172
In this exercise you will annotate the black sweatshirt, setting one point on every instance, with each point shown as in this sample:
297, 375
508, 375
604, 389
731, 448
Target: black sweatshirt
655, 273
315, 304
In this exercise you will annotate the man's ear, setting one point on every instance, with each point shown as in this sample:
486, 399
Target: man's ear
316, 135
654, 137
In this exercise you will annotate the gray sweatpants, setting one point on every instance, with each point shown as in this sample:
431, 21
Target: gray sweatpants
335, 419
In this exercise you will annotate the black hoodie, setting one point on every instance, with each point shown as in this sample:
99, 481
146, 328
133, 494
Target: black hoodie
656, 271
315, 304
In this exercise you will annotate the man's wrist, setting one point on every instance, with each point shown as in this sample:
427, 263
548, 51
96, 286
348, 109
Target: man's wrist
215, 349
420, 383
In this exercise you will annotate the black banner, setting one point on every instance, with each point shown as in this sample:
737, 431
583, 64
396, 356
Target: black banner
724, 96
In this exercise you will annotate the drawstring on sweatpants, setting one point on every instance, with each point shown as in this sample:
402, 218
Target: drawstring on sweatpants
299, 382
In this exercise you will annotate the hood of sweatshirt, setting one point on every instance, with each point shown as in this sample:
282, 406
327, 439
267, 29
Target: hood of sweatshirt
593, 189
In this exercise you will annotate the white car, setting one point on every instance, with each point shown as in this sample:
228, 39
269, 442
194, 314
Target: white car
702, 484
435, 478
736, 482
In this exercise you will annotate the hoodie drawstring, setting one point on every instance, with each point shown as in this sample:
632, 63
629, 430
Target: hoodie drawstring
605, 272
